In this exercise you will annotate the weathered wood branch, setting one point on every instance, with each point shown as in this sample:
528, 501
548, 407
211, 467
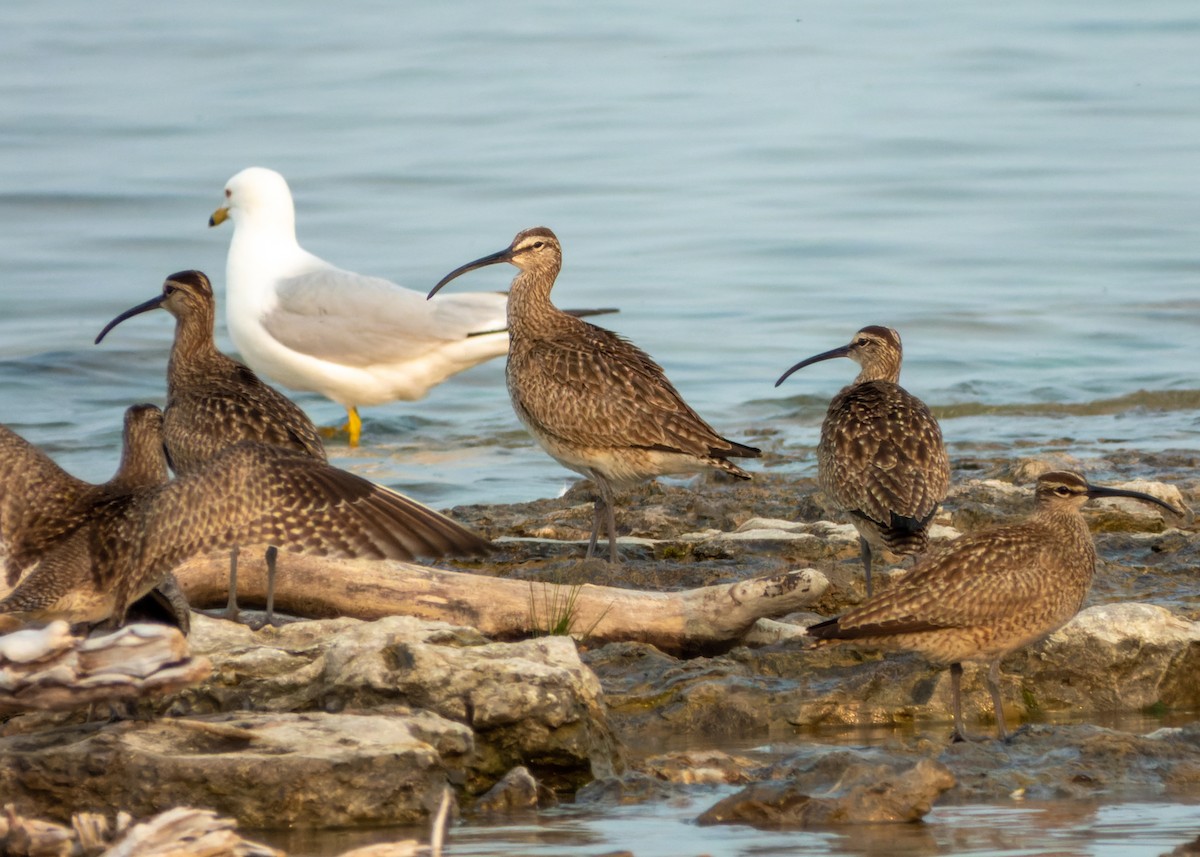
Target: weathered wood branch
502, 608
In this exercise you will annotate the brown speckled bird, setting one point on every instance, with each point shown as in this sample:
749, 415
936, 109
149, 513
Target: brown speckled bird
125, 543
41, 505
595, 402
881, 457
988, 593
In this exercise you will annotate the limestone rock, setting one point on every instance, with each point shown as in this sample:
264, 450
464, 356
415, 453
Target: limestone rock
529, 703
1116, 657
1112, 658
515, 792
864, 794
266, 770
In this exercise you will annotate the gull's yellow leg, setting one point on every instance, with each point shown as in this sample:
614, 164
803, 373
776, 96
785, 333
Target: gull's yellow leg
352, 427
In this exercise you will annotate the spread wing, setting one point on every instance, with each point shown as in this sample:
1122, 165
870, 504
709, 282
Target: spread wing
38, 502
256, 494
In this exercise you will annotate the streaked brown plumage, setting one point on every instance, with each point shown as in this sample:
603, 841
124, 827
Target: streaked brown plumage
122, 546
41, 505
595, 402
988, 593
881, 457
214, 402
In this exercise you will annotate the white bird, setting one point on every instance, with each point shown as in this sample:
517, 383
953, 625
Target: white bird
355, 339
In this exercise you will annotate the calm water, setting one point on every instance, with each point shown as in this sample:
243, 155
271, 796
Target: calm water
1013, 188
1061, 829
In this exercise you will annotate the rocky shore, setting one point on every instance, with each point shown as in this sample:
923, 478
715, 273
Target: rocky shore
343, 722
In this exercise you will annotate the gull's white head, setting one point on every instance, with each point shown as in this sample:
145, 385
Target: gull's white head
257, 195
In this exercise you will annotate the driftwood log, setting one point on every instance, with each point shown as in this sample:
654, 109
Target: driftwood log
505, 609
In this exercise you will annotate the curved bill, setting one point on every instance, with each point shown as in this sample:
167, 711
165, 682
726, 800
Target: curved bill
219, 216
504, 255
841, 351
153, 303
1100, 491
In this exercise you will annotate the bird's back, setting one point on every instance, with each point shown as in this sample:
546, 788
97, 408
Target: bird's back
587, 386
218, 402
881, 457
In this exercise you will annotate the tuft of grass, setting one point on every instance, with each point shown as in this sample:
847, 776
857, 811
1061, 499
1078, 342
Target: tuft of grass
558, 610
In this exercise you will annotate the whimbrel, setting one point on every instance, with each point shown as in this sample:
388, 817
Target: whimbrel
595, 402
988, 593
881, 457
250, 493
41, 505
213, 401
356, 340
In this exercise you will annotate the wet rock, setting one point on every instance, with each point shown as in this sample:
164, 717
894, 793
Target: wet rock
631, 788
267, 770
531, 702
1112, 658
1079, 762
701, 767
515, 792
864, 794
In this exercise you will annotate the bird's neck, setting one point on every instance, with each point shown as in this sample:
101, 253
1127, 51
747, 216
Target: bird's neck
194, 349
879, 372
1069, 531
140, 469
529, 308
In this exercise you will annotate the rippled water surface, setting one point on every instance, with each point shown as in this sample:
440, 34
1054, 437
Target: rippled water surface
1013, 186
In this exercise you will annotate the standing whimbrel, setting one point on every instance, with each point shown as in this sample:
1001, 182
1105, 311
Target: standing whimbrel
41, 505
990, 592
881, 456
213, 401
595, 402
355, 339
117, 549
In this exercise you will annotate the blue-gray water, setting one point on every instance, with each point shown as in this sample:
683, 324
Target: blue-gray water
1012, 186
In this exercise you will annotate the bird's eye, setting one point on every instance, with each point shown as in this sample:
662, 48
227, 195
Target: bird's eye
538, 245
1062, 491
227, 193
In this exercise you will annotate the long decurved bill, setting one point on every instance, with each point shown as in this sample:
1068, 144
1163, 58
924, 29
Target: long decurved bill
1095, 491
504, 255
153, 303
841, 351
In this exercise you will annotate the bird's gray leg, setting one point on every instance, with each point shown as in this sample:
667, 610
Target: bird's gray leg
865, 547
956, 695
993, 681
595, 526
231, 608
606, 495
272, 554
